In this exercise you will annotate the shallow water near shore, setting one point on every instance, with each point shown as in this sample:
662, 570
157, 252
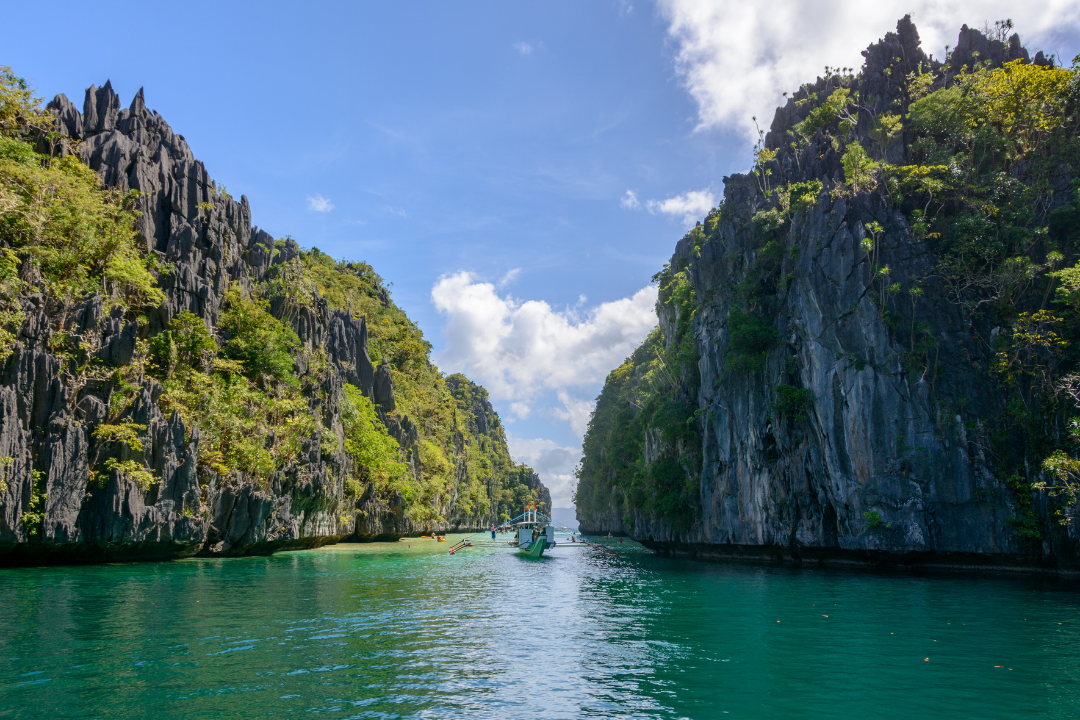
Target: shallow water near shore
386, 630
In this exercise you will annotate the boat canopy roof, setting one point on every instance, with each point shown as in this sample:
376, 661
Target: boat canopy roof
529, 517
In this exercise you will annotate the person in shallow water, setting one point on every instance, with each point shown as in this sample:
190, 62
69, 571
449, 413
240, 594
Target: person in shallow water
492, 532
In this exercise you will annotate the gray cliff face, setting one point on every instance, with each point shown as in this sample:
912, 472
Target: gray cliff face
47, 420
876, 438
873, 440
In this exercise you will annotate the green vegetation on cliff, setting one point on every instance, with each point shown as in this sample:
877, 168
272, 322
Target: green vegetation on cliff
982, 158
994, 182
245, 400
251, 401
267, 407
61, 233
654, 390
445, 410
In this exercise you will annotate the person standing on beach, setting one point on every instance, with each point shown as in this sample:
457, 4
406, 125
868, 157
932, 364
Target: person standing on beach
492, 532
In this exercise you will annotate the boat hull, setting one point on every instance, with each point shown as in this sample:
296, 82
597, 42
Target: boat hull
534, 549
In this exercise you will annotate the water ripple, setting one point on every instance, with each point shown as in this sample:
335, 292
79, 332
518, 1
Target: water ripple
382, 631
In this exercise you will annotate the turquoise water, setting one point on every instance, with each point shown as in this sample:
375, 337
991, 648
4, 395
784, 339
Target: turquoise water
389, 631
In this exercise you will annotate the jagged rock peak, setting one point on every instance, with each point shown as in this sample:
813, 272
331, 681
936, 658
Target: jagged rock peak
384, 387
100, 108
885, 448
973, 46
71, 121
138, 103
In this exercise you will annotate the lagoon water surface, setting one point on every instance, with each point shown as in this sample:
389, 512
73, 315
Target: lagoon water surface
388, 631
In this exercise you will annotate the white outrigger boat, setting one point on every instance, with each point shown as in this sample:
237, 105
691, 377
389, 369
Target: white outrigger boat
533, 533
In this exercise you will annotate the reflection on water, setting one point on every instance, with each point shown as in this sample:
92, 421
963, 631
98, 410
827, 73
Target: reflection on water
388, 631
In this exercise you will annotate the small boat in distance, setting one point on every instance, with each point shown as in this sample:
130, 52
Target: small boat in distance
534, 532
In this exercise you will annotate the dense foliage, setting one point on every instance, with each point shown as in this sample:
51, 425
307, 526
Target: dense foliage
243, 388
61, 233
654, 391
444, 409
245, 400
993, 184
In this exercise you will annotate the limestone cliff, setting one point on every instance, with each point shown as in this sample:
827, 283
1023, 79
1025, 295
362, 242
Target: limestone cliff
840, 398
481, 443
51, 507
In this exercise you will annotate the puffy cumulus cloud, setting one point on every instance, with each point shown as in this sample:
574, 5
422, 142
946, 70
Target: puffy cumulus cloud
574, 411
318, 203
535, 359
688, 208
736, 58
554, 464
629, 200
518, 349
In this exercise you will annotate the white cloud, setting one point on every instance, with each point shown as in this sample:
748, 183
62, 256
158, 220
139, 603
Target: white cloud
510, 276
523, 47
554, 464
535, 359
629, 200
319, 204
574, 411
736, 58
518, 349
688, 207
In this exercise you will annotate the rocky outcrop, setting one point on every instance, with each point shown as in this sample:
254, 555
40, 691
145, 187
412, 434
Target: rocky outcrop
53, 508
874, 441
889, 460
476, 412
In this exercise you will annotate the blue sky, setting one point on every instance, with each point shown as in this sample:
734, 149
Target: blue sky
517, 170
